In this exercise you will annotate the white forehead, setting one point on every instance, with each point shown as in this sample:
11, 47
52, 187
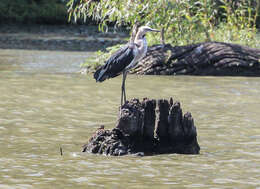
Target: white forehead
144, 28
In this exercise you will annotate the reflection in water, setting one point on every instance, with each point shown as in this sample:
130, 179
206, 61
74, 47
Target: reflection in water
41, 111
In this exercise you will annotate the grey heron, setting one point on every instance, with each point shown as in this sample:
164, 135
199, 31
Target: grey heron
125, 59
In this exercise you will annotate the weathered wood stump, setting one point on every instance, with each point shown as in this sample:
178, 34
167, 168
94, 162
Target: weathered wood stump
148, 128
210, 58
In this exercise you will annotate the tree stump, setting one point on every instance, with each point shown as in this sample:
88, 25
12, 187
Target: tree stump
149, 127
210, 58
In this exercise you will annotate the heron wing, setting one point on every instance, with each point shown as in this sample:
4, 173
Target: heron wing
115, 64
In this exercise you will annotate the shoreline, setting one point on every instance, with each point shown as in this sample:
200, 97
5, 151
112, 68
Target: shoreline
58, 37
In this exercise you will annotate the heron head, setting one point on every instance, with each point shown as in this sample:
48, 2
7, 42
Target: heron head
143, 30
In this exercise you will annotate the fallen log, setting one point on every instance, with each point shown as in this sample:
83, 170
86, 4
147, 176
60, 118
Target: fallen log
209, 58
148, 128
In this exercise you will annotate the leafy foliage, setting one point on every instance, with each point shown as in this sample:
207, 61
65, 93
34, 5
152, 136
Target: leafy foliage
184, 22
33, 11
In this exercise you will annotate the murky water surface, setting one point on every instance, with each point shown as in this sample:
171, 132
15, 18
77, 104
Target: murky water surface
45, 105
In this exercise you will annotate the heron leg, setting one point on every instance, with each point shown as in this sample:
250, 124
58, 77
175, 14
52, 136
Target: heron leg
123, 94
124, 88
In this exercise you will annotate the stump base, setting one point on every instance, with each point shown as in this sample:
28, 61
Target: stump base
148, 128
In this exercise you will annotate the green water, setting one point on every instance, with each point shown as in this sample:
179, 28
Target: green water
45, 104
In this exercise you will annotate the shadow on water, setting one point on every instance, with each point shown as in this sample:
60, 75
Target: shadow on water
45, 104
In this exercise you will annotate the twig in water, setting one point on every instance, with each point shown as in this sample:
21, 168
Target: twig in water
61, 153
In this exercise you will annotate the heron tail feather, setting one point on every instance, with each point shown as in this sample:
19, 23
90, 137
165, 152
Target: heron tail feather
99, 75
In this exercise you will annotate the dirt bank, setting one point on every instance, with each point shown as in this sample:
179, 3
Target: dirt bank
64, 37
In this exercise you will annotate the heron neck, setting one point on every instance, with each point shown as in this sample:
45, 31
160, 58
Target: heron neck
141, 42
139, 36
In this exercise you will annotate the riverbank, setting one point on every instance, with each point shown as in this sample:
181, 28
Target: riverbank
58, 37
88, 38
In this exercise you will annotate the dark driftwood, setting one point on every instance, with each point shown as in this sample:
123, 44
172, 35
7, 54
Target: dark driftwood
210, 58
147, 127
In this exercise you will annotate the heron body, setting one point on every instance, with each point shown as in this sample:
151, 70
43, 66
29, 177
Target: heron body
125, 59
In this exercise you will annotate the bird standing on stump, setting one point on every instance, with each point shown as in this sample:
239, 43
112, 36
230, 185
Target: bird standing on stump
125, 59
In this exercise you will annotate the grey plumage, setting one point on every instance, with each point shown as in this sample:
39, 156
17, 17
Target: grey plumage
116, 64
124, 59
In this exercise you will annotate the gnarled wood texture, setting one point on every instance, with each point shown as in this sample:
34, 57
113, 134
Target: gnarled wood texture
147, 127
210, 58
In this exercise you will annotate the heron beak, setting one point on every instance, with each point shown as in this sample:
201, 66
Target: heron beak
154, 30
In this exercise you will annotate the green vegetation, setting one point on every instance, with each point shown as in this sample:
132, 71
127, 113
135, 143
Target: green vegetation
184, 22
33, 11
